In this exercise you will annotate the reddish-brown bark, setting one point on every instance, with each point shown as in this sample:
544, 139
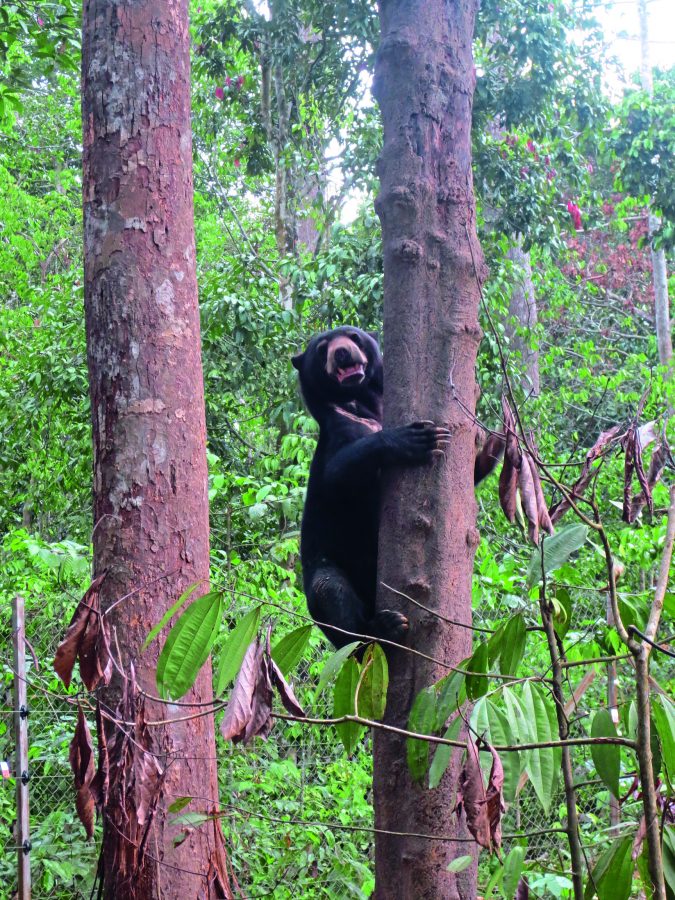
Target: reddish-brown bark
150, 476
424, 84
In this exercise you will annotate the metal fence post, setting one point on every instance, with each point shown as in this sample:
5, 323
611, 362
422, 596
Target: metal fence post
22, 829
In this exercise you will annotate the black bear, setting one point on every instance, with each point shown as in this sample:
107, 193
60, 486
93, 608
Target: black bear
341, 378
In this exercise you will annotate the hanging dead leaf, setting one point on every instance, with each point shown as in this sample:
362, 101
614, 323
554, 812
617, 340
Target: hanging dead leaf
238, 711
285, 691
495, 797
603, 444
543, 517
260, 722
629, 444
528, 497
640, 835
660, 456
471, 798
82, 763
99, 784
86, 640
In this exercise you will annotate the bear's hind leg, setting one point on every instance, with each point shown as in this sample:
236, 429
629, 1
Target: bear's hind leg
332, 601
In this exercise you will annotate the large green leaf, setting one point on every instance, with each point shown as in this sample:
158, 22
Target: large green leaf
669, 858
502, 735
540, 763
613, 872
444, 752
168, 615
423, 721
606, 757
372, 698
513, 645
557, 549
663, 713
288, 652
188, 645
235, 647
450, 695
460, 863
333, 664
343, 704
513, 867
477, 684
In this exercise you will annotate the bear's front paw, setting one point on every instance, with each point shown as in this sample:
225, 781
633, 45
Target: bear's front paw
416, 443
390, 625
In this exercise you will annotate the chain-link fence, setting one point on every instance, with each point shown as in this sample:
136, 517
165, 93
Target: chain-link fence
290, 805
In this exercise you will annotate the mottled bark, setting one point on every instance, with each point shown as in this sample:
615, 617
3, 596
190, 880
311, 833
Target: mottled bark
150, 477
424, 83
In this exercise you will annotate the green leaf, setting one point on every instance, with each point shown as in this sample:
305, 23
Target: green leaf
613, 872
513, 645
372, 698
188, 645
444, 752
343, 704
168, 615
333, 665
179, 804
606, 757
235, 647
669, 856
502, 735
460, 863
451, 694
288, 652
556, 549
423, 721
513, 867
663, 713
477, 685
540, 762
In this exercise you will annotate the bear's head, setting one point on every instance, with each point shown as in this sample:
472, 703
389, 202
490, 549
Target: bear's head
340, 365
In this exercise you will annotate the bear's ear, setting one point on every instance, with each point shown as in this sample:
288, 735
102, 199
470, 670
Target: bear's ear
297, 360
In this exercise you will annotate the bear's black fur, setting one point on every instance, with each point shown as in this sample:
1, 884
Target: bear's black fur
341, 377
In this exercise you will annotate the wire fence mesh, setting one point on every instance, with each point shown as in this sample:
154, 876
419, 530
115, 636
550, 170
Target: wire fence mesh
281, 799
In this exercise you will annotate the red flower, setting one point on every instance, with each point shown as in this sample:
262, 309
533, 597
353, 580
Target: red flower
40, 22
228, 80
531, 147
237, 163
551, 174
220, 93
575, 213
240, 81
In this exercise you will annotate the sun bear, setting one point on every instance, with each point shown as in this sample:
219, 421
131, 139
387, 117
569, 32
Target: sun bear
341, 378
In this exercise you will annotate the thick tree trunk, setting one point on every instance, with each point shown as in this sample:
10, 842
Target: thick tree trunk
150, 478
424, 84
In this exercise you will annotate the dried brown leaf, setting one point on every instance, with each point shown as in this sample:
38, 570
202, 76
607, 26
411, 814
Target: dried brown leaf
81, 640
656, 465
288, 698
529, 498
640, 835
99, 784
260, 722
238, 711
495, 797
82, 763
471, 797
543, 517
603, 443
629, 444
508, 483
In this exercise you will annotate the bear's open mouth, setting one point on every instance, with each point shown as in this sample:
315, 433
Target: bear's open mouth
351, 373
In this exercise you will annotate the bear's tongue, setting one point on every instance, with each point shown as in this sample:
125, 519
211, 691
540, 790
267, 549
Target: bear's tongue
356, 369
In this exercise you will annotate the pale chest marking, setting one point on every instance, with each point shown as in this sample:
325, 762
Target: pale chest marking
370, 424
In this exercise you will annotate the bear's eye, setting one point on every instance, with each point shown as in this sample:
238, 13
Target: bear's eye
355, 337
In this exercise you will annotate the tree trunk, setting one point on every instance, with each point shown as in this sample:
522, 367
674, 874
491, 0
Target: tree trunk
424, 83
150, 478
659, 269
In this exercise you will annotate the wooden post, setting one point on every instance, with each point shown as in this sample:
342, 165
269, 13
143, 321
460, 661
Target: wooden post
22, 829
